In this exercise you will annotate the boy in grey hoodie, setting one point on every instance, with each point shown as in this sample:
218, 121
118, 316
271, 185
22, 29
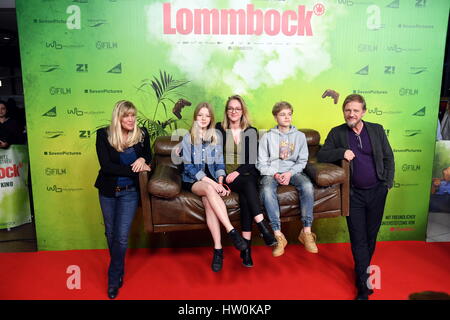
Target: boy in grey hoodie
282, 156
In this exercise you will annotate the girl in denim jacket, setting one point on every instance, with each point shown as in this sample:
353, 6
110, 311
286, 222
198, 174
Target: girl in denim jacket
203, 174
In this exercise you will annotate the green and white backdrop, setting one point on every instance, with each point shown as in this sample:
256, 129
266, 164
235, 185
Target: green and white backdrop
79, 57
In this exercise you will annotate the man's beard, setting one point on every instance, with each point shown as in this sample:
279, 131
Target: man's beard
352, 125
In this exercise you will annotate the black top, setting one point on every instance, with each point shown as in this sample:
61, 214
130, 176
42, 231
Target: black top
110, 167
337, 142
249, 142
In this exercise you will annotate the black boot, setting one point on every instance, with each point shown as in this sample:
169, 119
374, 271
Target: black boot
268, 237
246, 255
217, 261
237, 240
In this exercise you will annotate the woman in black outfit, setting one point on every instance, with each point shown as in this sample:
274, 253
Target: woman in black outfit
240, 148
123, 151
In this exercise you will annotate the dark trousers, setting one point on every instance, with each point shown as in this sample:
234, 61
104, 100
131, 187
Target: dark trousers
246, 187
118, 213
364, 221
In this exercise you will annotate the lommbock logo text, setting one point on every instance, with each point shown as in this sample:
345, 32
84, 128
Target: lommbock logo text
232, 21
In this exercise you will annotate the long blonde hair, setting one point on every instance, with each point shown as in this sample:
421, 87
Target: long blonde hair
210, 135
245, 119
115, 138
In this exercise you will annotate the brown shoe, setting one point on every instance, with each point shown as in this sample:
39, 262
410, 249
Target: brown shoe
278, 250
309, 241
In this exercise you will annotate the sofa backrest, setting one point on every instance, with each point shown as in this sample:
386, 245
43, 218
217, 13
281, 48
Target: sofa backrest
165, 144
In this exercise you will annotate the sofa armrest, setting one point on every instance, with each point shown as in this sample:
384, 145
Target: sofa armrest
325, 174
165, 182
145, 201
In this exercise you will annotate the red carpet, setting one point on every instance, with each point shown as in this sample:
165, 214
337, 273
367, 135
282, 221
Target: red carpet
178, 274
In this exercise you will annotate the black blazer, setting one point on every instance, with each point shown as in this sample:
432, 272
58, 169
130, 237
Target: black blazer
110, 167
336, 144
250, 151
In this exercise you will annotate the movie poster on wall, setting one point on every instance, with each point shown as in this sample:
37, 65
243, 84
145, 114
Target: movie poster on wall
80, 57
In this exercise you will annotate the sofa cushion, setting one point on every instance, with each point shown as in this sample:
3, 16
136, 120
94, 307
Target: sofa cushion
187, 208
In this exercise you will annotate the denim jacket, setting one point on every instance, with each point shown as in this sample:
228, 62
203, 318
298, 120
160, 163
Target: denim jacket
196, 157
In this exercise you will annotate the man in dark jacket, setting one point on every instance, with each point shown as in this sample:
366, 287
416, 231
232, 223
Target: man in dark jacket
367, 148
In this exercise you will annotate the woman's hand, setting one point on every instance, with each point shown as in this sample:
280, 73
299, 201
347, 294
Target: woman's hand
221, 190
139, 165
230, 178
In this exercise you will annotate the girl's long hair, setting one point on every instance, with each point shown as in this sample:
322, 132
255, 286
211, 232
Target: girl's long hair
115, 138
210, 134
245, 119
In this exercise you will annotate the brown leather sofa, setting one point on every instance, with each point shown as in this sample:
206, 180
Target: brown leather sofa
166, 207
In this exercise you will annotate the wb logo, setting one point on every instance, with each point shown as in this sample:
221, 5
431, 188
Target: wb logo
75, 111
85, 134
54, 44
54, 189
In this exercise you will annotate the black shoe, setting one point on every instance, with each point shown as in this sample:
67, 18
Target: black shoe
362, 295
369, 292
268, 237
246, 255
238, 242
217, 261
113, 292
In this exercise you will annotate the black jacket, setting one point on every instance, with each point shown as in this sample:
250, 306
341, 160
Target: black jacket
336, 144
110, 167
250, 151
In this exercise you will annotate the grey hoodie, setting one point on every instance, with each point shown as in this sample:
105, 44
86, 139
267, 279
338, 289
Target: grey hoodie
282, 152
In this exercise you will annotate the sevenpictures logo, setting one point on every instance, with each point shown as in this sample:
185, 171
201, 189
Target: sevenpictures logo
62, 153
407, 150
49, 21
103, 91
368, 92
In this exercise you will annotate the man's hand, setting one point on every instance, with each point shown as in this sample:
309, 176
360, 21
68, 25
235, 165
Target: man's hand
349, 155
230, 178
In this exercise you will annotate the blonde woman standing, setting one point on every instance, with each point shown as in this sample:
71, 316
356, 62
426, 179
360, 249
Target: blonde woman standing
123, 151
203, 174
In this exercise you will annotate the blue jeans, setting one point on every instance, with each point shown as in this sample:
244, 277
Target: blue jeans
305, 189
118, 213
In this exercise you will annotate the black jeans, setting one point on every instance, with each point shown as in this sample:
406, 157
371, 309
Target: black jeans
246, 187
364, 221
